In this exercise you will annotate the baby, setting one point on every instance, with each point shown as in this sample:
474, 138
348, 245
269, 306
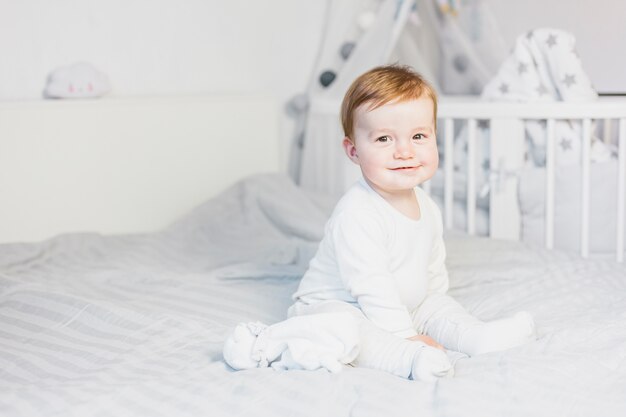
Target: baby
382, 257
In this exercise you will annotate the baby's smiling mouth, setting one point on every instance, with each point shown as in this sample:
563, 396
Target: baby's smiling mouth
403, 168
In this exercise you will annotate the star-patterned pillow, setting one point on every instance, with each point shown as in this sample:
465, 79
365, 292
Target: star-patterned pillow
543, 66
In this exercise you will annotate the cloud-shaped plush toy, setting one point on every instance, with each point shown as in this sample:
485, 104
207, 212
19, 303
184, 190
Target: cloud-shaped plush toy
80, 80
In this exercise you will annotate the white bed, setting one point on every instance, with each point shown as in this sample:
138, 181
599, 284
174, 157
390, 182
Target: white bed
133, 324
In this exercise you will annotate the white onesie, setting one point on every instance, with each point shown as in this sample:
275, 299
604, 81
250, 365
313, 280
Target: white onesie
378, 259
391, 270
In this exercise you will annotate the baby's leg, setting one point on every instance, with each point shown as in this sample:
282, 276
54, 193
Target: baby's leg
384, 351
408, 359
445, 320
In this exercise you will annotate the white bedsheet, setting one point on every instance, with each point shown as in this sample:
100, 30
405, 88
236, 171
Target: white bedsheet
134, 325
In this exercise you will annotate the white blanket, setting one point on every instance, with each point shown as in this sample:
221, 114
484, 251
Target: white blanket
311, 342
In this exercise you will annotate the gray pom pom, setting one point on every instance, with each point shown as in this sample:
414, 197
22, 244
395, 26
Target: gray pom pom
298, 104
346, 49
460, 63
327, 78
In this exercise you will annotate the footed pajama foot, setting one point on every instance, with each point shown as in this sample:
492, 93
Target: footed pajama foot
430, 364
497, 335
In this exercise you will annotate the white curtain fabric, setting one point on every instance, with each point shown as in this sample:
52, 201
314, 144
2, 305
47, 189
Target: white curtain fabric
470, 42
370, 29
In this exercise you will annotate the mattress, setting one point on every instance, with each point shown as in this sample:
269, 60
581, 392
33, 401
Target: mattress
94, 325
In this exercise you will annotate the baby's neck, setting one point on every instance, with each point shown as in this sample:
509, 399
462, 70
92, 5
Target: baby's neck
406, 203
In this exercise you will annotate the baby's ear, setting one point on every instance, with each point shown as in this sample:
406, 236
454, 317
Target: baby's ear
350, 149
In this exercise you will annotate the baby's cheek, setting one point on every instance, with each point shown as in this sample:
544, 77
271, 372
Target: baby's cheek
431, 155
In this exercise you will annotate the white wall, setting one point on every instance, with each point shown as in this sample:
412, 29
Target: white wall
150, 47
154, 47
599, 27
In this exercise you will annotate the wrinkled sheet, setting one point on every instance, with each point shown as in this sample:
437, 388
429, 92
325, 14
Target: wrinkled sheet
92, 325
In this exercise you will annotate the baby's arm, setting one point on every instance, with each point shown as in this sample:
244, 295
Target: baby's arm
363, 261
438, 282
437, 303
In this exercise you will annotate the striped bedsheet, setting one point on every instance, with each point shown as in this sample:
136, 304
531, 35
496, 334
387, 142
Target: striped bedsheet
134, 325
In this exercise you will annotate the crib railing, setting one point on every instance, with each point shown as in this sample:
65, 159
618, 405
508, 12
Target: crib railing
507, 157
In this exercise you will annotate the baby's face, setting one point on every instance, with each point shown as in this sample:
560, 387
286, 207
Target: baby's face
395, 145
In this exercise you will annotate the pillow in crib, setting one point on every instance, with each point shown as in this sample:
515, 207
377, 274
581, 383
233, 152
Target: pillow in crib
80, 80
567, 207
544, 67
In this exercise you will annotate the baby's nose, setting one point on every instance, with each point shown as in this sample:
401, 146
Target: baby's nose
403, 150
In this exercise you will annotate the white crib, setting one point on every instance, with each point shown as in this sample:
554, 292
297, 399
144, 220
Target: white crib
326, 169
507, 122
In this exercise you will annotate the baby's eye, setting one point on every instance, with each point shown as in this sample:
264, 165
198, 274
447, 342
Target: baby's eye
419, 136
383, 139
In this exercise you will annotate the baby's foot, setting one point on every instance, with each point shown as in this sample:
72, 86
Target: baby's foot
430, 363
499, 334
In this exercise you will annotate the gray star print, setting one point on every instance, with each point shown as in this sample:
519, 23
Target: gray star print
566, 144
522, 68
504, 88
529, 35
569, 80
551, 41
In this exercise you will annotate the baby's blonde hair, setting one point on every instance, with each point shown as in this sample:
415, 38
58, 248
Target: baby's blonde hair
382, 85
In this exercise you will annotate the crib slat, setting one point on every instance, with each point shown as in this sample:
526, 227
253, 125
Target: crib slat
621, 190
586, 165
607, 131
449, 172
550, 155
471, 176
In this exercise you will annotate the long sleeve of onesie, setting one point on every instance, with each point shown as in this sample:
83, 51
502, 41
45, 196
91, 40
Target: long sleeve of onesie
359, 240
437, 303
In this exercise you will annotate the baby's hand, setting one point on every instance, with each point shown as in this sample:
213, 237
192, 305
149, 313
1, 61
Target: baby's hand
426, 339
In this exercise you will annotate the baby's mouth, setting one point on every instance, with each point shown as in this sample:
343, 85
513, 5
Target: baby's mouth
403, 168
